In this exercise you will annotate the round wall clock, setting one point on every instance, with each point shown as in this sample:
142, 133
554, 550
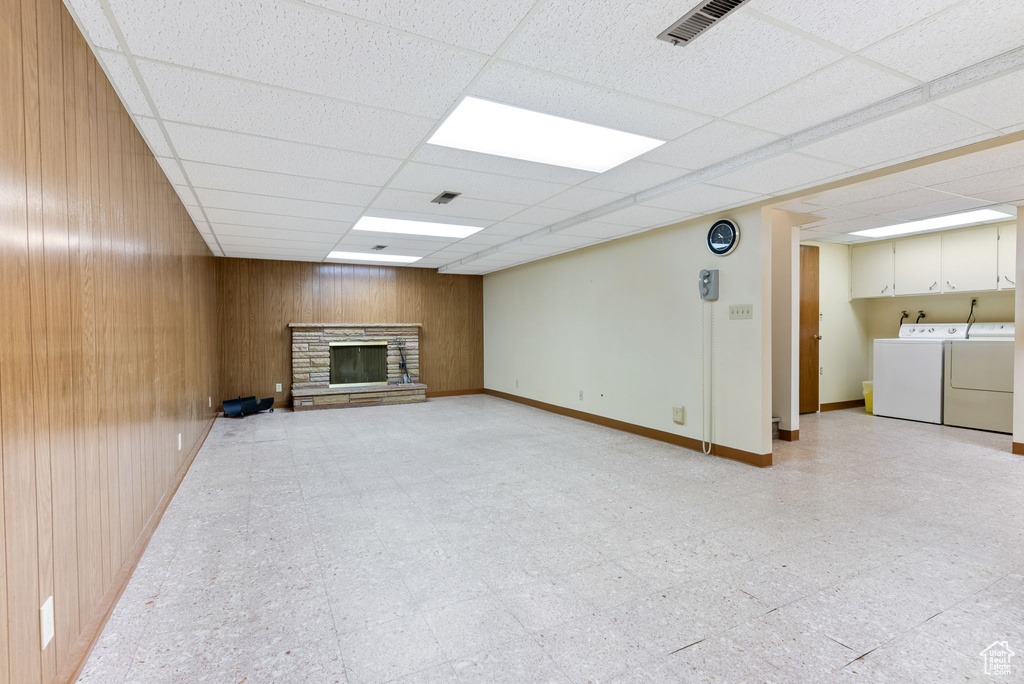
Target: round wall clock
723, 237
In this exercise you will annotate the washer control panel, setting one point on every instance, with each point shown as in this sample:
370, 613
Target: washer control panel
989, 330
933, 331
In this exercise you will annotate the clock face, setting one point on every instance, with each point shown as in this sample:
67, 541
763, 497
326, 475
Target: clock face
722, 237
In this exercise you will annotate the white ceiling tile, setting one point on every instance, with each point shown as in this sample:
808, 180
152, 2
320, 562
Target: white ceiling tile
489, 163
532, 249
248, 218
634, 176
1014, 195
483, 239
967, 166
93, 23
120, 73
949, 206
196, 214
203, 99
862, 223
172, 170
361, 239
302, 48
434, 180
511, 230
154, 137
840, 197
457, 250
913, 197
405, 200
911, 132
968, 33
225, 229
700, 199
277, 184
544, 92
834, 91
641, 216
564, 241
784, 172
996, 103
249, 242
186, 195
747, 58
853, 26
223, 199
582, 199
443, 20
715, 142
598, 231
541, 216
235, 149
986, 182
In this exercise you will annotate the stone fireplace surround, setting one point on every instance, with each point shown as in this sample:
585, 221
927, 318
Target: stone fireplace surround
311, 360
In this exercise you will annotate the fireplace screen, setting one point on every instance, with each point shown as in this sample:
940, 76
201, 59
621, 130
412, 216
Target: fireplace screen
359, 364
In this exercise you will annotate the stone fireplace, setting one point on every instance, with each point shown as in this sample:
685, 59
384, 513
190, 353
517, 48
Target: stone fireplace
340, 365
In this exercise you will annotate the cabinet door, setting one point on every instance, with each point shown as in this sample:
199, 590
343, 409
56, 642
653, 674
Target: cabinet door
969, 259
1007, 257
871, 270
918, 265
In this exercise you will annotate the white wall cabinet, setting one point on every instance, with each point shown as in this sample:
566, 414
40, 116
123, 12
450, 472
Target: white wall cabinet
871, 270
1007, 257
970, 259
918, 265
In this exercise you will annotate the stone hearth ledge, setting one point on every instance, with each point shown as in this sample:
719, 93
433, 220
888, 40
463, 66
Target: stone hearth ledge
350, 397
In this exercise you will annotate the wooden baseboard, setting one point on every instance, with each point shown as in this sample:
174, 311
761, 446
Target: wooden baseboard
840, 405
79, 654
453, 393
1018, 448
759, 460
789, 435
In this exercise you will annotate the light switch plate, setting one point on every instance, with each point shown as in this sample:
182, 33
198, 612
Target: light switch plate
46, 627
741, 312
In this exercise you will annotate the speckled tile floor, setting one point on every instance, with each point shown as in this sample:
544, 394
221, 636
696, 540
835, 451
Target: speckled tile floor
470, 539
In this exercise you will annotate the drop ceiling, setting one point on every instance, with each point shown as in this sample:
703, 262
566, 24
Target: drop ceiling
281, 123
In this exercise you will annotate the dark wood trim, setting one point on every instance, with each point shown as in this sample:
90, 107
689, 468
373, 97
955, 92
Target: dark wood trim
79, 654
759, 460
1018, 448
840, 405
454, 393
789, 435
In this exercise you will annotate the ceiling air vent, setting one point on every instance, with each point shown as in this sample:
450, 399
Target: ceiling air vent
698, 20
378, 248
445, 197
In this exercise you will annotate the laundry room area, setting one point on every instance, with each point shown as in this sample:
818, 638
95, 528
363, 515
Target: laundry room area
906, 296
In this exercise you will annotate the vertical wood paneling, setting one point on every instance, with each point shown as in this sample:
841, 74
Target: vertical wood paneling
108, 311
259, 298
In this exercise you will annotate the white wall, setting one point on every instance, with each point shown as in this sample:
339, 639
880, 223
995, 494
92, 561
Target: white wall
845, 348
1018, 344
621, 322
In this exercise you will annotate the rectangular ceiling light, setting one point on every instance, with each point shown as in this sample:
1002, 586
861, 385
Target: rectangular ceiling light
387, 225
363, 256
494, 128
951, 221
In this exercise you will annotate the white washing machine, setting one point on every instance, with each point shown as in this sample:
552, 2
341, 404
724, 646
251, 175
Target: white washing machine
978, 390
909, 371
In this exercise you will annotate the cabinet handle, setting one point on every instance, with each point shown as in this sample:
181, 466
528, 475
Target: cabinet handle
1007, 278
951, 285
884, 289
933, 285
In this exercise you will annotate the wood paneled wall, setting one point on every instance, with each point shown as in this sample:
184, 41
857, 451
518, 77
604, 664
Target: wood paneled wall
258, 299
107, 317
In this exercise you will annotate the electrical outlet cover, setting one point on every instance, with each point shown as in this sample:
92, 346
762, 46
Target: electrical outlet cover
46, 625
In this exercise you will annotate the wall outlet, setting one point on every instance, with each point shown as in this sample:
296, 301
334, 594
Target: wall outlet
581, 395
278, 387
46, 628
679, 415
741, 312
179, 441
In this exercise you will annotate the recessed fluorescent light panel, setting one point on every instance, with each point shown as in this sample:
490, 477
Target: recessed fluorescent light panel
363, 256
951, 221
494, 128
386, 225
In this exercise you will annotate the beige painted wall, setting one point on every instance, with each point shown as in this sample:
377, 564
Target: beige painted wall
844, 352
621, 322
785, 266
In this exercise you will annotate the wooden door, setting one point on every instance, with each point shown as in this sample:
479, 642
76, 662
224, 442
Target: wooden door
809, 336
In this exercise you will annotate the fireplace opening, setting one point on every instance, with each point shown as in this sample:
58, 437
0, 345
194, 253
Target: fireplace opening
359, 363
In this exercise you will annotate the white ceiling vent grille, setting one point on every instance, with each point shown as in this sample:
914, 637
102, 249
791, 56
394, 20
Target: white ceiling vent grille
698, 20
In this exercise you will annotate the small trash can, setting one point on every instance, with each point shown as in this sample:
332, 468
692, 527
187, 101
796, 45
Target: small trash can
869, 396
